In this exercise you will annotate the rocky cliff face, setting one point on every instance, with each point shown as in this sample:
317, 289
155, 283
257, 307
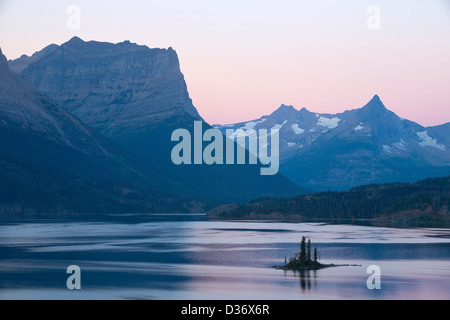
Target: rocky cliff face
109, 86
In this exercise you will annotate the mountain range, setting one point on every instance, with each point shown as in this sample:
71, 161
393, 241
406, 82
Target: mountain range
132, 98
86, 127
363, 146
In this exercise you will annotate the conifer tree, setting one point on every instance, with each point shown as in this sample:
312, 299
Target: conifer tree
308, 252
303, 250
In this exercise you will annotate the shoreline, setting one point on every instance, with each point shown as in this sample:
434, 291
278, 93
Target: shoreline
315, 267
357, 222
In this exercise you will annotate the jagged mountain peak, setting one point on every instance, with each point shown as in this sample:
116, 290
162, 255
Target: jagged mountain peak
304, 110
376, 98
375, 104
285, 111
286, 107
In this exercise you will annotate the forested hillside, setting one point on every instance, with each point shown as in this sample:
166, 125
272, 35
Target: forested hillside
427, 200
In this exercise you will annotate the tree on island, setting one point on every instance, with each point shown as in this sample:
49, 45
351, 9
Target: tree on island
303, 258
315, 256
303, 250
308, 252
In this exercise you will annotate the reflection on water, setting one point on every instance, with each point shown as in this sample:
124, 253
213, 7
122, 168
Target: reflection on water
188, 257
305, 278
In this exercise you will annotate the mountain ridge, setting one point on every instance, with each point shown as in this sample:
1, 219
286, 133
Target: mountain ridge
366, 145
137, 97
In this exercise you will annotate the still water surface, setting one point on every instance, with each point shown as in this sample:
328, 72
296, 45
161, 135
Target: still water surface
180, 257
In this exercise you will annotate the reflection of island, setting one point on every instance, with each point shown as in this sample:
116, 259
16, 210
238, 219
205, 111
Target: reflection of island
302, 261
305, 277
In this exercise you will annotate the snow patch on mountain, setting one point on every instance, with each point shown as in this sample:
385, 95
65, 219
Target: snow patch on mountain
291, 144
359, 127
240, 133
250, 125
279, 126
297, 130
387, 149
401, 145
249, 130
329, 123
427, 141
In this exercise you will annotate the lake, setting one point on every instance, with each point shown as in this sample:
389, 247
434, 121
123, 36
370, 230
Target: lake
188, 257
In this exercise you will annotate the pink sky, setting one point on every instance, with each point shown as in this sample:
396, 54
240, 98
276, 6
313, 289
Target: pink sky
243, 59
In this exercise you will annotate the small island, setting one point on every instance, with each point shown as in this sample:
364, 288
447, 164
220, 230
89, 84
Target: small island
303, 261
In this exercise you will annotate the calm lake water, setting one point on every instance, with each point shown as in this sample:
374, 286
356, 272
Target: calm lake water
181, 257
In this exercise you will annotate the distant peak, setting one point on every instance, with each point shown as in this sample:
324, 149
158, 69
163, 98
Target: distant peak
76, 40
376, 98
375, 103
285, 111
286, 107
304, 110
127, 43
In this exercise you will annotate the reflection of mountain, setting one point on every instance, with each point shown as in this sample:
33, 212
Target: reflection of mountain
362, 146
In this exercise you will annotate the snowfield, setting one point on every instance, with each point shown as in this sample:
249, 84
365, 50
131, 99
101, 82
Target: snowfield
427, 141
297, 130
329, 123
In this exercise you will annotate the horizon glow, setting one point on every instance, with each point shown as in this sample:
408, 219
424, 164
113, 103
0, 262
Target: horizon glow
243, 59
